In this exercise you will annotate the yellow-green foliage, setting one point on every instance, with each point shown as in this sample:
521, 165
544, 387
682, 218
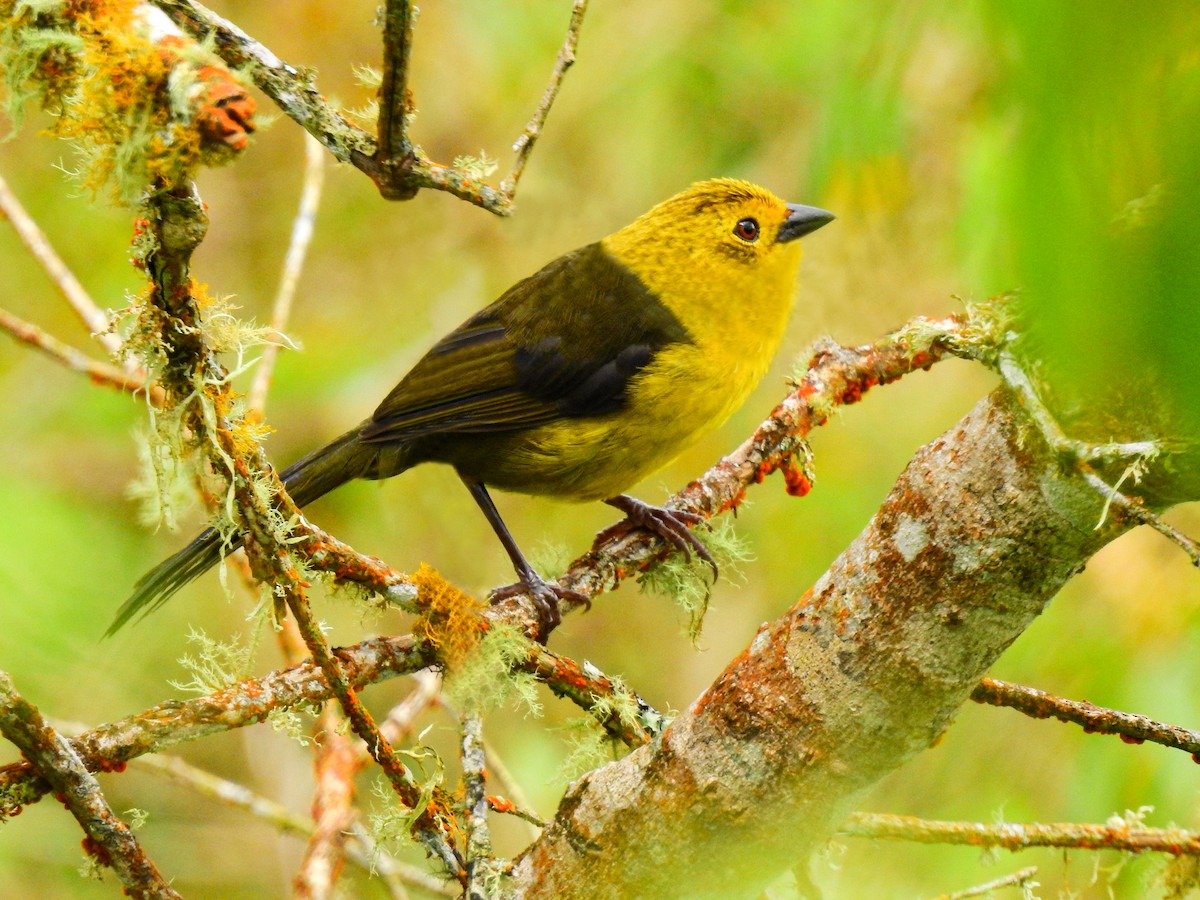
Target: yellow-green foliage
689, 583
126, 103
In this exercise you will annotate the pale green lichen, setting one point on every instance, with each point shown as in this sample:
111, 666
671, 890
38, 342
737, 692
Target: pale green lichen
391, 823
689, 583
589, 746
476, 167
215, 665
487, 678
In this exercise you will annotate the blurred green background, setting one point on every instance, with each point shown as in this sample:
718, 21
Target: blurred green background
967, 148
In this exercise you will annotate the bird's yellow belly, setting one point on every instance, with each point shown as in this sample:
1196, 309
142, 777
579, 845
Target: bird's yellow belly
672, 404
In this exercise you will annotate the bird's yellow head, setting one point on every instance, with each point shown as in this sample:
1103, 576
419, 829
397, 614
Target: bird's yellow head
723, 252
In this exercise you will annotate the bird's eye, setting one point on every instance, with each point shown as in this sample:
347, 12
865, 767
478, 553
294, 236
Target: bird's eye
747, 230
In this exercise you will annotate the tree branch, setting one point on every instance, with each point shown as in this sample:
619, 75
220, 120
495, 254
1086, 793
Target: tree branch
109, 840
1132, 728
1117, 834
248, 702
864, 672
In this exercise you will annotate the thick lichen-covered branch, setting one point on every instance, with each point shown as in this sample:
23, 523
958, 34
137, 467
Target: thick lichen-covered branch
865, 671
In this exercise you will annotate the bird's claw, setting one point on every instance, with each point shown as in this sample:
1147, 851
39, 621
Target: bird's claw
672, 525
546, 597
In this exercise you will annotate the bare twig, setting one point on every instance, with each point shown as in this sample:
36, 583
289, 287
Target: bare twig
99, 372
332, 810
360, 849
109, 840
398, 171
1020, 878
566, 58
68, 285
1131, 727
1140, 513
516, 803
428, 826
1116, 835
302, 232
400, 721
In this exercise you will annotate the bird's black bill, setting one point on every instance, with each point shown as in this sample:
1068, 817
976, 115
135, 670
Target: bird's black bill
802, 220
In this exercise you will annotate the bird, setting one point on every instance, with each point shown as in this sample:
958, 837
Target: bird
578, 381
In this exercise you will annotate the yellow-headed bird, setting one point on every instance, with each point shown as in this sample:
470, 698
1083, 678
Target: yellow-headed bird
580, 380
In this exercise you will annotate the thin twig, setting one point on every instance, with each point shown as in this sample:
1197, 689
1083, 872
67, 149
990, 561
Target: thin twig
101, 373
1083, 455
517, 803
1140, 513
427, 825
332, 809
1020, 878
479, 841
397, 177
400, 722
622, 713
360, 850
395, 152
293, 264
1116, 835
38, 245
109, 840
566, 58
1131, 727
836, 376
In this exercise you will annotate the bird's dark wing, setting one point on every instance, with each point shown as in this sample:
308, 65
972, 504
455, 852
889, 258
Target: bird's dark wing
564, 342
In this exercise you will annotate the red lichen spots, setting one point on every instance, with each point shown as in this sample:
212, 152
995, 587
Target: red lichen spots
60, 797
111, 765
796, 479
226, 110
501, 805
733, 502
94, 849
922, 359
853, 392
806, 389
1130, 739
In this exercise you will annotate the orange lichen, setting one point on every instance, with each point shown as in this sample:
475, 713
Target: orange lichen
143, 108
451, 621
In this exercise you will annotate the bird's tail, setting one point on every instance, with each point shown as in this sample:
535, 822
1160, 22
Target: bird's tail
311, 477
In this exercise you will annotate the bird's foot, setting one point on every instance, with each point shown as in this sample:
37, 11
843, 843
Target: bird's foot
546, 597
672, 525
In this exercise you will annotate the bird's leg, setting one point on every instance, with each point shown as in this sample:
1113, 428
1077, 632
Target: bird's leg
672, 525
545, 596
